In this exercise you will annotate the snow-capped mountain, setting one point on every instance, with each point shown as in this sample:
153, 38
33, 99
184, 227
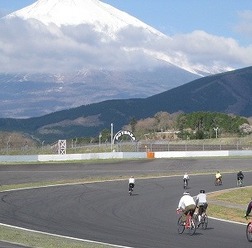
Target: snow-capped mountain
108, 21
102, 16
66, 53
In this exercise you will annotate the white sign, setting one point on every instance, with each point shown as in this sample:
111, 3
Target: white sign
125, 132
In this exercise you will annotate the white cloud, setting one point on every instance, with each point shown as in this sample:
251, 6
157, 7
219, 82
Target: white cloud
30, 46
200, 47
244, 27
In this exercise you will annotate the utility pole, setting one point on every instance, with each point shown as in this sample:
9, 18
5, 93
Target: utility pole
216, 132
111, 134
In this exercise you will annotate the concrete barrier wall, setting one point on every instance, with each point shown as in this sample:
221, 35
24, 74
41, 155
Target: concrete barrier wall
14, 159
87, 156
240, 153
72, 157
185, 154
122, 155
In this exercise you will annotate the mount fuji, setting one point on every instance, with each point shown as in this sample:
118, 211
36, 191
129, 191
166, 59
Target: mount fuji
102, 16
67, 53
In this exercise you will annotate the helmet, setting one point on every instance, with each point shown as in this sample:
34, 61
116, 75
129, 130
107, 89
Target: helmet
186, 193
202, 191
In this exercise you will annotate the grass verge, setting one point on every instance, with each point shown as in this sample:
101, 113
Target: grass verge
226, 213
32, 239
230, 204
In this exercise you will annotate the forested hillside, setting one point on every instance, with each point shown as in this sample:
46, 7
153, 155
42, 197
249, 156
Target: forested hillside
227, 93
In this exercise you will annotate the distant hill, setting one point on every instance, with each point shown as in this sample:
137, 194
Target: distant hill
229, 92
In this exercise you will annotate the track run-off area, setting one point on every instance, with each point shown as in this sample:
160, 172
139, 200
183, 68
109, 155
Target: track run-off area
104, 212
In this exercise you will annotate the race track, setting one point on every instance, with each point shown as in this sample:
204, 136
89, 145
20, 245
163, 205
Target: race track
105, 212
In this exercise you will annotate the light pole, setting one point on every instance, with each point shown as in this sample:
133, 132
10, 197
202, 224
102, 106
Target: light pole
8, 144
100, 135
216, 132
111, 134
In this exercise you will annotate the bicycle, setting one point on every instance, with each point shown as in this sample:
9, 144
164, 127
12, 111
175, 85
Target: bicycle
218, 182
189, 224
239, 182
203, 221
130, 189
185, 183
249, 231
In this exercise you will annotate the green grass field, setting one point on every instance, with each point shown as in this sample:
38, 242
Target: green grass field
230, 204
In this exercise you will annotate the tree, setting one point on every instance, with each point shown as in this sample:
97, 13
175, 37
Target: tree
105, 135
133, 123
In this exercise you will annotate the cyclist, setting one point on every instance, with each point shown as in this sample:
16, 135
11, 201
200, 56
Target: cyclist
186, 178
201, 203
249, 208
218, 177
187, 205
131, 183
240, 176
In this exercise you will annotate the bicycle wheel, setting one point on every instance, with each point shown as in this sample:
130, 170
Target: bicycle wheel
204, 222
249, 232
192, 228
239, 183
180, 225
196, 219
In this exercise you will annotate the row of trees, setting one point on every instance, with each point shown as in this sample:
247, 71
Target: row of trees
197, 125
203, 125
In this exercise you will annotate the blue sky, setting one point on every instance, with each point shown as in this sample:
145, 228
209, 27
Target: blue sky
227, 18
203, 35
221, 18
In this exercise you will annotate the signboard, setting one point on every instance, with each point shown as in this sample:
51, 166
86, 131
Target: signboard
119, 134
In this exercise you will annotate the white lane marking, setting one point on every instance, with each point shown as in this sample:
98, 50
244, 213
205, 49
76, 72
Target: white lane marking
228, 221
62, 236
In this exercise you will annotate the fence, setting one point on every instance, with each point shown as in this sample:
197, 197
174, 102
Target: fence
189, 147
133, 146
155, 146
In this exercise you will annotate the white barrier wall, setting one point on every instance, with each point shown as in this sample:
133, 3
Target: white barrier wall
240, 153
72, 157
87, 156
185, 154
16, 159
121, 155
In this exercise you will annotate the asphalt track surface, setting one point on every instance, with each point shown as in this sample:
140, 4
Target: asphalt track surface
105, 212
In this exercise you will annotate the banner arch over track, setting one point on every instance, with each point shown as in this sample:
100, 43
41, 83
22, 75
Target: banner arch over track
123, 132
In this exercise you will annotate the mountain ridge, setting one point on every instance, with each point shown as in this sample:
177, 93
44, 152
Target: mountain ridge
226, 92
24, 98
